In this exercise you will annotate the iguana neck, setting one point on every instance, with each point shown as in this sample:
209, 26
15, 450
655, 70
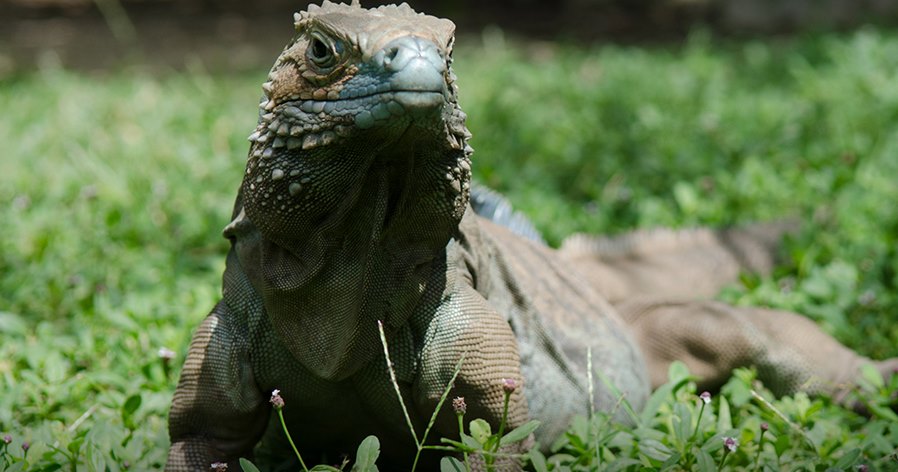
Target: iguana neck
328, 276
382, 203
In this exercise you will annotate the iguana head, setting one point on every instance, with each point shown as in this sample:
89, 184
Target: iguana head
357, 177
358, 96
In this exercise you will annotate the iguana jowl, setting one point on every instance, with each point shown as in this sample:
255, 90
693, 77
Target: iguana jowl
353, 209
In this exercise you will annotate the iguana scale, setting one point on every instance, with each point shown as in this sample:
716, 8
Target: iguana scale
354, 208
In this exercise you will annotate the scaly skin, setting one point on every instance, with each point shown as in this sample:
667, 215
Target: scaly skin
353, 210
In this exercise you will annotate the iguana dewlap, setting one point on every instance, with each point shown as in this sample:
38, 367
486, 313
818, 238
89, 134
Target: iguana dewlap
352, 210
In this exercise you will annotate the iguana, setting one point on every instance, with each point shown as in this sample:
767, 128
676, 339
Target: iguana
354, 208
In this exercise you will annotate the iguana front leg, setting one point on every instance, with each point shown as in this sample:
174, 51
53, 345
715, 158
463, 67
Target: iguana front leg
466, 325
217, 414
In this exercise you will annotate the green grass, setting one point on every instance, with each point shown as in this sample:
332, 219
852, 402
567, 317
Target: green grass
114, 190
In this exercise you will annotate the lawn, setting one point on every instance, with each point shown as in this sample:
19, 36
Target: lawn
114, 190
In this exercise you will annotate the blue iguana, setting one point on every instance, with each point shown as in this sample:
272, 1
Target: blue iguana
354, 208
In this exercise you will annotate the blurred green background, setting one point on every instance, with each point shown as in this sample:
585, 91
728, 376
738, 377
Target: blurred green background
120, 160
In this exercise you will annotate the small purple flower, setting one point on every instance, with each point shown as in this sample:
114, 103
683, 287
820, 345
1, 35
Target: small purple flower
276, 399
26, 446
730, 443
459, 405
165, 354
219, 466
509, 386
867, 298
765, 426
706, 397
7, 439
89, 192
21, 202
862, 468
787, 284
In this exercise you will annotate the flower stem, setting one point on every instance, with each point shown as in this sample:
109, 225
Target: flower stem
504, 419
723, 459
698, 422
461, 430
760, 448
292, 444
408, 419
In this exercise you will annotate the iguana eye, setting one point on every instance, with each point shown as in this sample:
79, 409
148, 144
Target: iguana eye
320, 52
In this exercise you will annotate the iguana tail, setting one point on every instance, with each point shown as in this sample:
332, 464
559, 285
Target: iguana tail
686, 264
790, 352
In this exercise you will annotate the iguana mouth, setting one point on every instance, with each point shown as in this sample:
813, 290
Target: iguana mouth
406, 97
298, 124
414, 100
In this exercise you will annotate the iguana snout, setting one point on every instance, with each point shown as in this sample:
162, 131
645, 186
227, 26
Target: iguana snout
417, 69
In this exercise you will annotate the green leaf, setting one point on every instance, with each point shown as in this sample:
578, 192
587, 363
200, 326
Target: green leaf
537, 460
654, 449
451, 464
11, 323
520, 433
621, 464
75, 446
883, 412
655, 401
686, 197
724, 419
491, 443
131, 405
677, 372
576, 442
738, 388
94, 459
367, 454
579, 428
682, 423
470, 442
704, 461
16, 467
480, 431
782, 443
324, 468
248, 466
849, 459
873, 376
672, 463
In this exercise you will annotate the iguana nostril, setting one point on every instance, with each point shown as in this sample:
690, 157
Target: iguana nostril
416, 64
389, 55
400, 52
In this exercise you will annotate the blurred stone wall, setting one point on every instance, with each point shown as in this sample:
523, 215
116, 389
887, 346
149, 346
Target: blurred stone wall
236, 34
